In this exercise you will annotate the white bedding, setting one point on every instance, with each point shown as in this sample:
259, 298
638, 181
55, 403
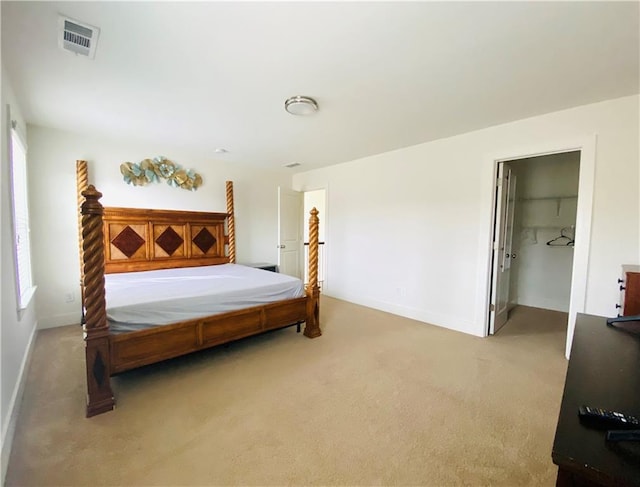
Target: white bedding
139, 300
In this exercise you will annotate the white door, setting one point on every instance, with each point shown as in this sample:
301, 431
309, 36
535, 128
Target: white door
290, 205
502, 251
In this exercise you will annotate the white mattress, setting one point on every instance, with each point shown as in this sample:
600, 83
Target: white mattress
139, 300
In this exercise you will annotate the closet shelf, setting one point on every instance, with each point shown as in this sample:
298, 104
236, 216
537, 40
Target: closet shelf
541, 198
545, 227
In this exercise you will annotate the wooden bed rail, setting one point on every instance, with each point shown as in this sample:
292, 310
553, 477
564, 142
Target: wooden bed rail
103, 350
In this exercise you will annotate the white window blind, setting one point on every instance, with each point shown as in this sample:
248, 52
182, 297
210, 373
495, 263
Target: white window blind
22, 241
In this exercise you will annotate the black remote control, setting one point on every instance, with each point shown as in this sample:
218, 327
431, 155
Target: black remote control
625, 435
601, 418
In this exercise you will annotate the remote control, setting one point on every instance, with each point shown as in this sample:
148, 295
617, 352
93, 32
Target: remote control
601, 418
624, 435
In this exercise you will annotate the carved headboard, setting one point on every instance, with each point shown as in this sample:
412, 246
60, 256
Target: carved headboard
137, 239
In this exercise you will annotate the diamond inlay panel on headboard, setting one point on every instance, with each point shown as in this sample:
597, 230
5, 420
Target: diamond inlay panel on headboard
128, 242
169, 240
205, 241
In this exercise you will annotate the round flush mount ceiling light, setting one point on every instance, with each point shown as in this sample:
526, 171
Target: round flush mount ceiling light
300, 105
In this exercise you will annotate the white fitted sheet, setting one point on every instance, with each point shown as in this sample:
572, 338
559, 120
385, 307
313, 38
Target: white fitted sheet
139, 300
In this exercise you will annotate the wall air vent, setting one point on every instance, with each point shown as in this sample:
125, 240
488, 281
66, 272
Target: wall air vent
292, 164
76, 37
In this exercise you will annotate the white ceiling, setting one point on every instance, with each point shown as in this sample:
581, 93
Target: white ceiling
386, 75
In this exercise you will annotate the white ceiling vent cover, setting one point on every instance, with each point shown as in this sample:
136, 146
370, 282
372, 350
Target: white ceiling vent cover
77, 37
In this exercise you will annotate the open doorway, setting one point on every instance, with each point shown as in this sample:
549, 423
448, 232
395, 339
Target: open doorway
534, 236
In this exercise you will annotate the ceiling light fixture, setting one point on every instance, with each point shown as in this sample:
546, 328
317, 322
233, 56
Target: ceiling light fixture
300, 105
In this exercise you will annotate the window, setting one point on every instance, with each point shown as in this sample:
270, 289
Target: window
22, 241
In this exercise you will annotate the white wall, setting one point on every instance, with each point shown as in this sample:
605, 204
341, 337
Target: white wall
52, 156
16, 329
409, 229
541, 274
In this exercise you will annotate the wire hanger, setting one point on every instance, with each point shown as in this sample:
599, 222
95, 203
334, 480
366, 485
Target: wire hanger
563, 240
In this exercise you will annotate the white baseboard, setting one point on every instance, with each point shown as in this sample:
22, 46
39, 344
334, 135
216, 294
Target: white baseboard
431, 318
545, 303
9, 427
63, 319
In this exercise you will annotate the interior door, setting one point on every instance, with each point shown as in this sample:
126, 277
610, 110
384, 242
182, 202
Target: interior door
290, 207
502, 247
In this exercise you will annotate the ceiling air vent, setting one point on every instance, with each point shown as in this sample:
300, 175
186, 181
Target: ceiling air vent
292, 164
77, 37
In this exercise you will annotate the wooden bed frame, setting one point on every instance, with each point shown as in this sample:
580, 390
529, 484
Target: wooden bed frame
126, 240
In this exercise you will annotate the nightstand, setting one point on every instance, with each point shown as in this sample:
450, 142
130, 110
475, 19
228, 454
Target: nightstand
262, 265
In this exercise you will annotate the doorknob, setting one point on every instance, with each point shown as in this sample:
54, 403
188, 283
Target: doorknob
282, 246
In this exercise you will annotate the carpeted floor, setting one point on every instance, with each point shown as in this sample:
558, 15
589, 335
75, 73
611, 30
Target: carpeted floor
377, 400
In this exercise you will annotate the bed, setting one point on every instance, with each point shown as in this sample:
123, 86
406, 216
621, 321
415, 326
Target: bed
148, 278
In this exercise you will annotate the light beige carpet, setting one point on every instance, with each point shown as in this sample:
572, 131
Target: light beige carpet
377, 400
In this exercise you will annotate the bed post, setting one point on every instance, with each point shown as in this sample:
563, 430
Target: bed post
231, 223
312, 326
82, 182
96, 329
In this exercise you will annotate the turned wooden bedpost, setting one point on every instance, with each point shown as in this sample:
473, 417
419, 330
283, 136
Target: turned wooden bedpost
312, 327
231, 223
82, 182
99, 395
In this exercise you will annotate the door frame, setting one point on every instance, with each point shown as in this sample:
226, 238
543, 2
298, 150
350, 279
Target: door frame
501, 255
586, 181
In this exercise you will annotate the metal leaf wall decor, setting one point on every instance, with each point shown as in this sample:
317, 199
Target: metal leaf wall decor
153, 170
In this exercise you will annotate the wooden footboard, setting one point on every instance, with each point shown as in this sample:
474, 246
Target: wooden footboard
108, 354
135, 349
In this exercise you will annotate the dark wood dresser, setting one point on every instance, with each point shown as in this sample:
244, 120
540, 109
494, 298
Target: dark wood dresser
603, 372
630, 290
